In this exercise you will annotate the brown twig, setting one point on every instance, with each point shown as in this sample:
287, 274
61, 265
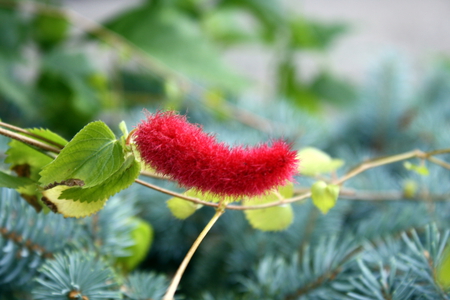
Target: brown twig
24, 131
176, 279
28, 140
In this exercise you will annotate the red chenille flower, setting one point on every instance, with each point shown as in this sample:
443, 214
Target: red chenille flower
172, 146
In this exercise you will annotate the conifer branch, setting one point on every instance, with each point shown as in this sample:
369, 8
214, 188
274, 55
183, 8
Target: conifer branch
332, 273
18, 239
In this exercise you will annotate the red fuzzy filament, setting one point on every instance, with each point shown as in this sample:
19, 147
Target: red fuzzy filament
174, 147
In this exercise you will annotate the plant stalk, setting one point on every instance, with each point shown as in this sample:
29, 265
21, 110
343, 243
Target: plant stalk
176, 279
28, 140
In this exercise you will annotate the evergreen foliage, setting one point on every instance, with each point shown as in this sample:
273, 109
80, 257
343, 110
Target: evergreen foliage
28, 239
76, 275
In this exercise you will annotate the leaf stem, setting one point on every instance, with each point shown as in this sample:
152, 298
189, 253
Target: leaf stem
364, 166
176, 279
24, 131
28, 140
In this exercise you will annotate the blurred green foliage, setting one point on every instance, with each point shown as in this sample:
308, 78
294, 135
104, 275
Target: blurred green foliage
53, 74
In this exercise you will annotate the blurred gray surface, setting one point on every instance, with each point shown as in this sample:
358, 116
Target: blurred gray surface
417, 30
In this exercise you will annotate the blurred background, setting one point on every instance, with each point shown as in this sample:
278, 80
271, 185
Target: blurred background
417, 29
74, 61
356, 79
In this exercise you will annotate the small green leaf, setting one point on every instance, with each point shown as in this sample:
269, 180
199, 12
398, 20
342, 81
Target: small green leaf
91, 157
409, 188
272, 218
27, 161
314, 161
324, 196
13, 182
421, 170
49, 135
67, 207
203, 196
443, 270
123, 128
176, 40
120, 180
182, 209
142, 236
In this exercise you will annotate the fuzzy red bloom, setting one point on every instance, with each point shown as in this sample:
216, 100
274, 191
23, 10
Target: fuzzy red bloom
181, 150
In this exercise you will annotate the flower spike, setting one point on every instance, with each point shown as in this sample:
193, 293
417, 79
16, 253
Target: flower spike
172, 146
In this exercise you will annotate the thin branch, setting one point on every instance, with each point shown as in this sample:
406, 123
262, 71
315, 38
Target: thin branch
437, 152
378, 162
7, 234
28, 140
176, 279
439, 162
231, 207
175, 194
24, 131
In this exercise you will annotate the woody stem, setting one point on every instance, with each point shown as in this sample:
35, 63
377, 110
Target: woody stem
176, 279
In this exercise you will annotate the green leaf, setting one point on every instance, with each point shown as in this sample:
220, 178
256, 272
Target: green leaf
142, 236
269, 15
120, 180
421, 170
225, 26
182, 209
273, 218
25, 160
324, 196
68, 208
294, 90
443, 269
49, 135
13, 182
409, 188
203, 196
20, 154
314, 162
91, 157
307, 34
50, 30
123, 128
177, 41
123, 139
